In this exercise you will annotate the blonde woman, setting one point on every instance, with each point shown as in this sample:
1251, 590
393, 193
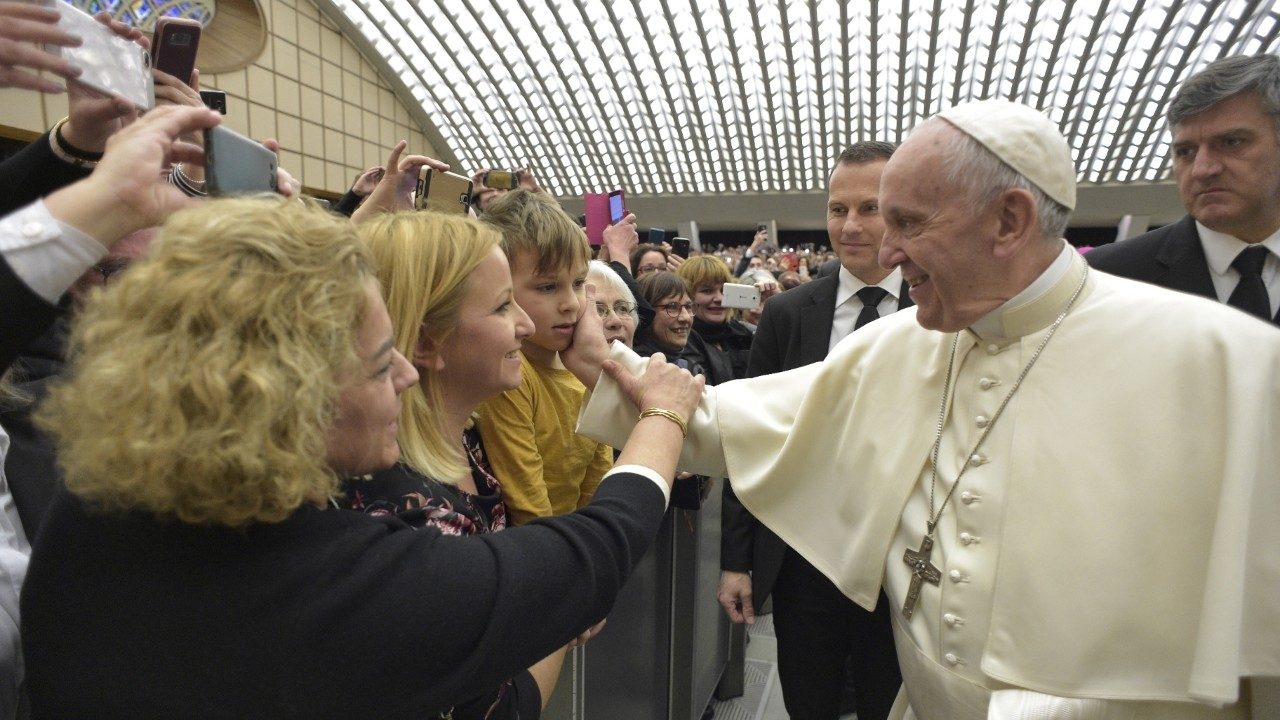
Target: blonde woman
448, 291
214, 397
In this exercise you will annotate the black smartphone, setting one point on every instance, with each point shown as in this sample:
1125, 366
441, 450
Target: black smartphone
680, 246
174, 45
762, 227
214, 100
656, 236
236, 165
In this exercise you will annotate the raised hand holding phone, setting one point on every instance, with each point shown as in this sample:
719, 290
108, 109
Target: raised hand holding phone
24, 27
394, 192
93, 116
127, 191
111, 58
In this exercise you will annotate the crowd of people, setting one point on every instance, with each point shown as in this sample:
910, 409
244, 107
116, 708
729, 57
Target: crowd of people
267, 457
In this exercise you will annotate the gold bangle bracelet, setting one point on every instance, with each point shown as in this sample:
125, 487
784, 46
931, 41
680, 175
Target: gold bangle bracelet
660, 412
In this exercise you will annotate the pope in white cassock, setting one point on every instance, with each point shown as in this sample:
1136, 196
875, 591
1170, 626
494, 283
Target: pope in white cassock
1068, 483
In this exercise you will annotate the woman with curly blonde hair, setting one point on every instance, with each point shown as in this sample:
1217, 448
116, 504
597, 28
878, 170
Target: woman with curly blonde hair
215, 396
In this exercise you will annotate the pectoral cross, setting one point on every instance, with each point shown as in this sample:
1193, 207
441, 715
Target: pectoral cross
921, 571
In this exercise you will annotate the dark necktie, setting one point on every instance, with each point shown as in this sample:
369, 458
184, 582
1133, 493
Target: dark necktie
871, 296
1251, 294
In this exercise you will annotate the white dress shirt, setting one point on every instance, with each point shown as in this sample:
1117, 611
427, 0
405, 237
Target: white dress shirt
848, 307
1221, 249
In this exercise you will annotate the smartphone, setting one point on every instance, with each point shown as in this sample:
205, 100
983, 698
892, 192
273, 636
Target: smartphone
444, 192
501, 180
616, 209
656, 236
111, 65
214, 100
680, 246
236, 165
743, 297
173, 46
596, 209
762, 227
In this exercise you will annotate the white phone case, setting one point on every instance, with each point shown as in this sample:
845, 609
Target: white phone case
111, 64
743, 297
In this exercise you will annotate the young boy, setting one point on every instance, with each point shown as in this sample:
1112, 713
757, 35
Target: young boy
545, 467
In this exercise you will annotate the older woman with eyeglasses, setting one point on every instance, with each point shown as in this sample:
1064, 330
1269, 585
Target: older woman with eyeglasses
615, 304
216, 394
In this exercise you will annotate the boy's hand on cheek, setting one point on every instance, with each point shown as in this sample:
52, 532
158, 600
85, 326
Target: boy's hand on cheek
588, 349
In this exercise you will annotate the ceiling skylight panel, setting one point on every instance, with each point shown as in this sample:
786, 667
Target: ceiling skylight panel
691, 121
539, 88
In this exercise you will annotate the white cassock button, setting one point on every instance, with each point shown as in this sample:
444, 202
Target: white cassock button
976, 460
949, 619
981, 421
32, 229
968, 498
987, 383
951, 658
992, 349
967, 539
956, 576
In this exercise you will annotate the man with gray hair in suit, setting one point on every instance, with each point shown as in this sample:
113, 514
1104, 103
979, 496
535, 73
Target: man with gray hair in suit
1225, 122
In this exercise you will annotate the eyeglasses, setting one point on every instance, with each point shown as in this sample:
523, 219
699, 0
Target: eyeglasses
673, 309
649, 268
621, 308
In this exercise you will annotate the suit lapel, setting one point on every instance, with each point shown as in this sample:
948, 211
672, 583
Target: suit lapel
1182, 256
816, 317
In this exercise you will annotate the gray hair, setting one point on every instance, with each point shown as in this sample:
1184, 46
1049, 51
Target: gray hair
601, 270
984, 176
1225, 78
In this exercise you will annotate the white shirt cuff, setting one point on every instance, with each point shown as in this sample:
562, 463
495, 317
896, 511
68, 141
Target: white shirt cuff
649, 473
47, 254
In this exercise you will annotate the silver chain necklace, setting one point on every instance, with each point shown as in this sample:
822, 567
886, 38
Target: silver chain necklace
922, 570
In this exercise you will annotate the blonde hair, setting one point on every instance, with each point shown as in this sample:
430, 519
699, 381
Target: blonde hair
702, 270
533, 222
202, 385
424, 261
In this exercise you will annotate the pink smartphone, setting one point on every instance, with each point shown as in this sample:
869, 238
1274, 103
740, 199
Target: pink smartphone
596, 207
174, 45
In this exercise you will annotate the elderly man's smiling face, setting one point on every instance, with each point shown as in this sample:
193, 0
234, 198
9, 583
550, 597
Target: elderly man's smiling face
944, 245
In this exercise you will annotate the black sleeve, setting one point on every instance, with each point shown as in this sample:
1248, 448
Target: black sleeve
33, 172
743, 264
476, 611
528, 698
518, 699
348, 204
643, 308
25, 315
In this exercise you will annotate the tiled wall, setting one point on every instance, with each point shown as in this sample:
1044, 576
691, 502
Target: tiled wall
310, 89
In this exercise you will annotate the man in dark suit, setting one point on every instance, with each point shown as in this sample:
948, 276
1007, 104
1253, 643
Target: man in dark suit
1226, 158
817, 627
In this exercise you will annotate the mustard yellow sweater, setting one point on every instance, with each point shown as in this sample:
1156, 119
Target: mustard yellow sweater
545, 467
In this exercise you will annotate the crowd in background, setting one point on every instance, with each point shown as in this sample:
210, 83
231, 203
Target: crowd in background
279, 457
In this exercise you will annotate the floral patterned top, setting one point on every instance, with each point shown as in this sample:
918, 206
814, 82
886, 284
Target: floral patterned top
421, 501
